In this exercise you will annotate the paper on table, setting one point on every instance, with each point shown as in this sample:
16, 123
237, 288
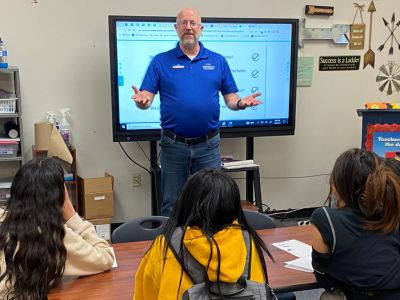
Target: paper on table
301, 264
299, 249
294, 247
115, 259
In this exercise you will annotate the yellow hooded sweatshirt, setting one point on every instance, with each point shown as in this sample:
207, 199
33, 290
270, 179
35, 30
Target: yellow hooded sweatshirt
152, 282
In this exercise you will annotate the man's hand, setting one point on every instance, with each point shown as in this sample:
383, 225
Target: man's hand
141, 100
67, 210
250, 100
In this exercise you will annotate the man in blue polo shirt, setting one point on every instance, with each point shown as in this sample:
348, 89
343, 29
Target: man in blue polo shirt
189, 79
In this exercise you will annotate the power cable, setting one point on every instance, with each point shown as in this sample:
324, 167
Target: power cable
287, 177
136, 163
295, 177
145, 154
284, 215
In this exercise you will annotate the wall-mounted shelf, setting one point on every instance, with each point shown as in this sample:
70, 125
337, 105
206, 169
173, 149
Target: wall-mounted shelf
7, 116
18, 158
10, 163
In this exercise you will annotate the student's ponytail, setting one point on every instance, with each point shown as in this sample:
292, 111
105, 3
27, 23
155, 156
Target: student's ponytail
380, 201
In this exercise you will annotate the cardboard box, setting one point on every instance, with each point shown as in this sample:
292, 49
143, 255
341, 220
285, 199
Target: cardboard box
103, 228
42, 135
48, 138
96, 197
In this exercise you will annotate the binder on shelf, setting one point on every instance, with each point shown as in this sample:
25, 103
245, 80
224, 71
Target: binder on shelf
239, 164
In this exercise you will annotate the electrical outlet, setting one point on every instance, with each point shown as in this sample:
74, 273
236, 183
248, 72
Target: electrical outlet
136, 179
303, 223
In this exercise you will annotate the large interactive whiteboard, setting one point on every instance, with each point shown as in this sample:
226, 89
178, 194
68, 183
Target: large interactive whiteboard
262, 55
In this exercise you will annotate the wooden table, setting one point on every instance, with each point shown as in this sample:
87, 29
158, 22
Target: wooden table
282, 279
118, 283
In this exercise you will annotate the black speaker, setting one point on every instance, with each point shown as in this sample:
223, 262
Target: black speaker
11, 129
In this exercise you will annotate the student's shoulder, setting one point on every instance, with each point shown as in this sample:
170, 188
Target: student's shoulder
157, 245
336, 216
323, 214
156, 252
319, 212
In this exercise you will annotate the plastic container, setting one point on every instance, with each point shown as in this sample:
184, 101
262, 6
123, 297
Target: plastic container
3, 56
8, 102
8, 149
8, 106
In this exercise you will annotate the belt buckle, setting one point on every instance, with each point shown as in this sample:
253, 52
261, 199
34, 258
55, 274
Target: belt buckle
190, 141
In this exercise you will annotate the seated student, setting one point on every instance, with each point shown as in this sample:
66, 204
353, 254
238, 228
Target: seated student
393, 164
41, 236
356, 247
210, 215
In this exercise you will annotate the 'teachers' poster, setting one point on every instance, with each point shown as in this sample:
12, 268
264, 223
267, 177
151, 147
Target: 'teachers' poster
386, 144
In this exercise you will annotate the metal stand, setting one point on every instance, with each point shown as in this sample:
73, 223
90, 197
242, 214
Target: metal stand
156, 197
250, 174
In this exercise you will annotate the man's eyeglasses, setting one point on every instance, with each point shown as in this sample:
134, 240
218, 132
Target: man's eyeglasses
185, 23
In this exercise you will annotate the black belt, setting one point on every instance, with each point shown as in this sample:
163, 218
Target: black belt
190, 141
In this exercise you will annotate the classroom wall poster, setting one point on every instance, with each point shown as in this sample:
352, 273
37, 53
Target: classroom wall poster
383, 139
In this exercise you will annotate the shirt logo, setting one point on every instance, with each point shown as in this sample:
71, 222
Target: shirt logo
208, 67
178, 66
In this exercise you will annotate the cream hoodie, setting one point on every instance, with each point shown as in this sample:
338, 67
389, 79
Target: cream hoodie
86, 253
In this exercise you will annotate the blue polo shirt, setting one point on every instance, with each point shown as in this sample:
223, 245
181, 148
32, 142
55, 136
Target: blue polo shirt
189, 89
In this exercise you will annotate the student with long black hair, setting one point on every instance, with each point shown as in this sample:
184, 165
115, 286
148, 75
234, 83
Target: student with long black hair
356, 246
42, 237
211, 217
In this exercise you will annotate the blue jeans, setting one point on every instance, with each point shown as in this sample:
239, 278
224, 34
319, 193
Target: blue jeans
179, 160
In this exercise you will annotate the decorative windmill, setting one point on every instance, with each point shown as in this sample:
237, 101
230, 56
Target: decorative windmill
389, 77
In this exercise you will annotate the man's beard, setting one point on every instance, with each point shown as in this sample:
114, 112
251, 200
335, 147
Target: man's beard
189, 42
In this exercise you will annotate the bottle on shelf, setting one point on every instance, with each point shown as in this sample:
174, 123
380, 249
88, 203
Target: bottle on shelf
3, 56
64, 127
50, 117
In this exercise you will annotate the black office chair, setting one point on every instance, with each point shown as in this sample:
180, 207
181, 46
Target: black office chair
139, 229
262, 221
258, 220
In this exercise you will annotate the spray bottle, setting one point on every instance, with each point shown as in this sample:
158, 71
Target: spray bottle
64, 126
50, 117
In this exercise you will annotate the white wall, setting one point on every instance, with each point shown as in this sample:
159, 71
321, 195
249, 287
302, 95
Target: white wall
61, 48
